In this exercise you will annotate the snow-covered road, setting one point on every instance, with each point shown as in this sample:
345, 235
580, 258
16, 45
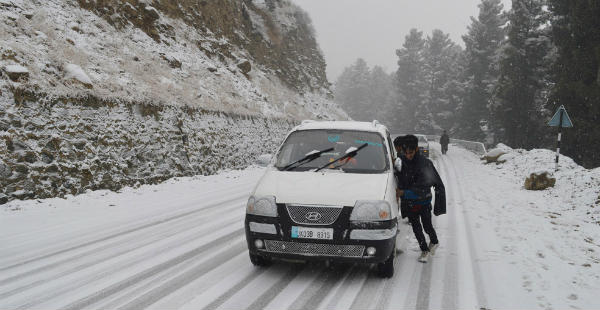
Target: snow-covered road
181, 245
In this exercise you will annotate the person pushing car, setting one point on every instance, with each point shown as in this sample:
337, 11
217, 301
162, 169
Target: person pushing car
415, 180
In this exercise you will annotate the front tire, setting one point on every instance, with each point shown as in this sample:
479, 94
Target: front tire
260, 261
386, 269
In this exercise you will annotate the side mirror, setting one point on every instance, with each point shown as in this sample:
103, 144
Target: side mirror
264, 160
398, 164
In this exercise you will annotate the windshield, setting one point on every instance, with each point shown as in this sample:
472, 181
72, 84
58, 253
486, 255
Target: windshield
371, 159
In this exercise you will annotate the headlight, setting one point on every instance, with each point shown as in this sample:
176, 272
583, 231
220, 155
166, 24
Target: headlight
264, 206
371, 210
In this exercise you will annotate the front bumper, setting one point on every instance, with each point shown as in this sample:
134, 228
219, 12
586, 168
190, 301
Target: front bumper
349, 243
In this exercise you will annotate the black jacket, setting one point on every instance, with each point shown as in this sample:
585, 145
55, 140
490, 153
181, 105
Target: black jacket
418, 176
444, 139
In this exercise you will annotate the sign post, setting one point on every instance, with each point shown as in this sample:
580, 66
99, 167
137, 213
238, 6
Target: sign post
560, 119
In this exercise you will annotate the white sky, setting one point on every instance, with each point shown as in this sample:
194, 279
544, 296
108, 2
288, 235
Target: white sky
374, 29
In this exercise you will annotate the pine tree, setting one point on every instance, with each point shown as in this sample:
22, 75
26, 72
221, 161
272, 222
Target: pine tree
518, 106
483, 40
441, 58
576, 74
382, 97
410, 80
352, 91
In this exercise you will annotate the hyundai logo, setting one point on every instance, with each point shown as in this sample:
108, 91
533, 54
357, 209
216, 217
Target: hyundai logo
313, 216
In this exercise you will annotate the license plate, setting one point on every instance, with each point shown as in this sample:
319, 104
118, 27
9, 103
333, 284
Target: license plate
312, 233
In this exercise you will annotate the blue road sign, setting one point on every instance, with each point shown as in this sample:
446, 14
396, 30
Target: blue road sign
566, 121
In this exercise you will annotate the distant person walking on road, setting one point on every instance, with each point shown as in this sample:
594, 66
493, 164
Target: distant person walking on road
444, 140
415, 180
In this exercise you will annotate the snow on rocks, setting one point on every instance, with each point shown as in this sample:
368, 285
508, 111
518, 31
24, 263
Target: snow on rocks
539, 181
245, 66
16, 72
76, 35
74, 72
578, 187
492, 155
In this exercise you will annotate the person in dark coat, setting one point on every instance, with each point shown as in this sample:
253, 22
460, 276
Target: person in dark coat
444, 140
415, 180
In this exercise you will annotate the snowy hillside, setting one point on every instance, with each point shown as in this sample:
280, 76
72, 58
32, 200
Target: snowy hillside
145, 55
104, 94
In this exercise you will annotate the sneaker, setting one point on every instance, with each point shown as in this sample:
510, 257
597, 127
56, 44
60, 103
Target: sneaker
423, 257
432, 247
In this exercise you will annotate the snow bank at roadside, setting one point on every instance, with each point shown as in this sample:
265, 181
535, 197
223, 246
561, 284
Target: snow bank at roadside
577, 187
139, 196
532, 246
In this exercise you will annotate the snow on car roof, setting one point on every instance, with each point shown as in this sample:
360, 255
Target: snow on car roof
343, 125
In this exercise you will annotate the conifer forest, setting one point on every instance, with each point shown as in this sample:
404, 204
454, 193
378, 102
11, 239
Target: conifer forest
502, 84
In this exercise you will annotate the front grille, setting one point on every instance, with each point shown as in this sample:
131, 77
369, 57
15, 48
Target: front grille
314, 249
301, 214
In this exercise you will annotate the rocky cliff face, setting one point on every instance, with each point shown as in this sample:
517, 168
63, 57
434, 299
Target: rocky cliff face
67, 146
107, 93
275, 33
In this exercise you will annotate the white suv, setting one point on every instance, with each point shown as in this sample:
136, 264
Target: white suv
328, 194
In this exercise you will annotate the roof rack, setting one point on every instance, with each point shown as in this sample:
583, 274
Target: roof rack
307, 121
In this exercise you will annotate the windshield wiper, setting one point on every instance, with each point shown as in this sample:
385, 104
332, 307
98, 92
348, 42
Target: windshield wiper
347, 155
306, 159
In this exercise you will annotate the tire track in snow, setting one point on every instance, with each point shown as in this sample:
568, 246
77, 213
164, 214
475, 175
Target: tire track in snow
479, 286
370, 288
391, 284
33, 236
111, 269
424, 286
169, 287
315, 293
265, 298
351, 280
82, 281
96, 251
113, 289
450, 293
234, 289
122, 233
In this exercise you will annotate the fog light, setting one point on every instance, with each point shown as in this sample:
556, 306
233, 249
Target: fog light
259, 244
371, 251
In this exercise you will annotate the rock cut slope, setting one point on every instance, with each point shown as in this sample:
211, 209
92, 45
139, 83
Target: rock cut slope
102, 94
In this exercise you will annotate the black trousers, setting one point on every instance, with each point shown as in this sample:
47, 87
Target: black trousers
423, 215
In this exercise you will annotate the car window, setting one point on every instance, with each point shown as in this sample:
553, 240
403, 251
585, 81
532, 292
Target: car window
371, 159
391, 146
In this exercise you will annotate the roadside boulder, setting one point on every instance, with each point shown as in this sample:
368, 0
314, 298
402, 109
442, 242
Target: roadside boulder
493, 155
539, 181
